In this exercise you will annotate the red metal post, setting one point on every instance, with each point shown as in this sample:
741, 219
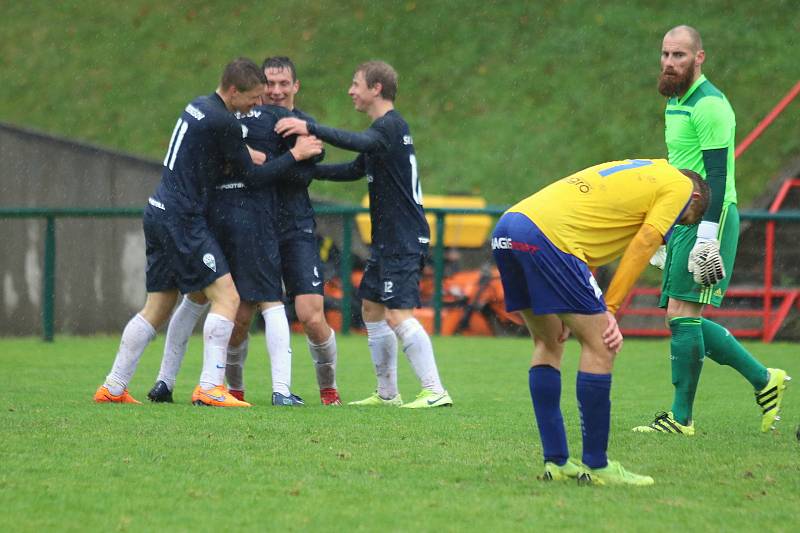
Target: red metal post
766, 121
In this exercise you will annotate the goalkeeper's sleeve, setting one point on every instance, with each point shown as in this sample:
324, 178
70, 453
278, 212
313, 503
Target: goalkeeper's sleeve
636, 257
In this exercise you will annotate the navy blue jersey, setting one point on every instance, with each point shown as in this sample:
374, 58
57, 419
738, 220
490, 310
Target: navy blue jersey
258, 127
389, 162
206, 149
295, 212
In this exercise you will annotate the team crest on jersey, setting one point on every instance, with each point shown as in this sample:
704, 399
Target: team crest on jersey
210, 262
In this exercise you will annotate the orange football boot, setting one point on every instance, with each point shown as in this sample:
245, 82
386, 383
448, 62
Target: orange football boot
104, 396
219, 396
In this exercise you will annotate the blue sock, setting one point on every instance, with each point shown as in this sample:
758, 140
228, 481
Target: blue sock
544, 382
594, 402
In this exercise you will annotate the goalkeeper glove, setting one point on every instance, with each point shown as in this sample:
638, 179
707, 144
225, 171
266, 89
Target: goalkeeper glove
659, 258
705, 263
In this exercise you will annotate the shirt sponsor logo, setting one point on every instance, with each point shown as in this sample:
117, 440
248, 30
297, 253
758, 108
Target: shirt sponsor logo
196, 113
234, 185
210, 262
580, 184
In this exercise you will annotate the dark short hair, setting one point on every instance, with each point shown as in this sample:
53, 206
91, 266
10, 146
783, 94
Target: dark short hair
700, 185
383, 73
243, 74
280, 63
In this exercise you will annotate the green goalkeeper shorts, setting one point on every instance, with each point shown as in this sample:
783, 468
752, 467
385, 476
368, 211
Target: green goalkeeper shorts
678, 283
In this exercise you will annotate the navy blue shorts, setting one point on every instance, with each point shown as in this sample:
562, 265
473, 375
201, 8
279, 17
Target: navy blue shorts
393, 280
300, 262
246, 232
182, 252
538, 276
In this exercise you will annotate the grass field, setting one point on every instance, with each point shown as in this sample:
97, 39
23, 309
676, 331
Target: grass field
68, 464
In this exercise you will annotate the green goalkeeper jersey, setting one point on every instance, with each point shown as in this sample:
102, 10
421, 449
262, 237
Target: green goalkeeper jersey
702, 119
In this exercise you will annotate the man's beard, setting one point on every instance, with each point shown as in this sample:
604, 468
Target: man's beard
674, 84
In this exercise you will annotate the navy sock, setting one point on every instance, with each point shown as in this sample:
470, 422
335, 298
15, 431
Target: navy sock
594, 402
544, 382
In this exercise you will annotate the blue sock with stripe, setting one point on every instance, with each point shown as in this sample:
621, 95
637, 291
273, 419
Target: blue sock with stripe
594, 402
544, 382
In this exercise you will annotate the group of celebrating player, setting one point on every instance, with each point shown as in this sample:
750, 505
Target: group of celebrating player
231, 224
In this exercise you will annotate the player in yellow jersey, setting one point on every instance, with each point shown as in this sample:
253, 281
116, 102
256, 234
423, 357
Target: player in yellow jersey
544, 247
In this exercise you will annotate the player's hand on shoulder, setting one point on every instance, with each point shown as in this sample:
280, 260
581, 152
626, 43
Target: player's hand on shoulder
259, 158
291, 126
305, 147
612, 336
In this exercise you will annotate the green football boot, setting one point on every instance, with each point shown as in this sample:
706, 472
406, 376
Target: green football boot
426, 399
554, 472
612, 474
770, 397
377, 401
666, 423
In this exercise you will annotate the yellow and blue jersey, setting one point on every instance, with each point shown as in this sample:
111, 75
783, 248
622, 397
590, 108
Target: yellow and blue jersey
595, 213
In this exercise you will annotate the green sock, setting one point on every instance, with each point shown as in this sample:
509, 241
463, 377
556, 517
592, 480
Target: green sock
687, 351
723, 348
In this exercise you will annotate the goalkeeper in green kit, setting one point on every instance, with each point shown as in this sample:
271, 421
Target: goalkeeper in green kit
698, 262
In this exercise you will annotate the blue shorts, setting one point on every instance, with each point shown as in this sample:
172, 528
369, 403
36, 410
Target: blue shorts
246, 232
393, 280
538, 276
300, 262
182, 252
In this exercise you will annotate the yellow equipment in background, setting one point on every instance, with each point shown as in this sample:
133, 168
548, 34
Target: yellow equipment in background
460, 231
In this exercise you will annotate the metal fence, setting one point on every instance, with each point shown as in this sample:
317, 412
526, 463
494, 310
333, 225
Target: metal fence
347, 214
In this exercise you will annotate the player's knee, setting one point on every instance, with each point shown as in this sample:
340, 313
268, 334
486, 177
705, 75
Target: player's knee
547, 350
372, 312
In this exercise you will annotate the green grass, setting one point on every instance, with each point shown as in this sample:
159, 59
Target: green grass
502, 97
68, 464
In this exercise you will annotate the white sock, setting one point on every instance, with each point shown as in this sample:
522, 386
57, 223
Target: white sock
180, 328
324, 356
419, 350
216, 334
234, 369
279, 347
383, 350
135, 337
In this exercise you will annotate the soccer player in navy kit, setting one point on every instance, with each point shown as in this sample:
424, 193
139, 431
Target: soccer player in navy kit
182, 254
400, 233
243, 220
299, 251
